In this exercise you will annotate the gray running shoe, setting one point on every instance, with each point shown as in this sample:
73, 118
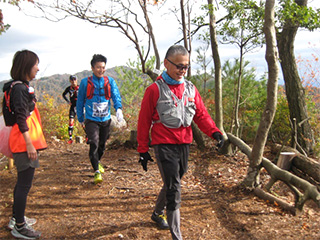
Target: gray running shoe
25, 232
29, 221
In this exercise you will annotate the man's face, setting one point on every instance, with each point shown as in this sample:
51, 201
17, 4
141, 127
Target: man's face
177, 66
99, 69
73, 82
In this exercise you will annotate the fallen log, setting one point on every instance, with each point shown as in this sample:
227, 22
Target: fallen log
294, 182
271, 198
307, 165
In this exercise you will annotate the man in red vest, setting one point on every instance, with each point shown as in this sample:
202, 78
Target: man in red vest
168, 107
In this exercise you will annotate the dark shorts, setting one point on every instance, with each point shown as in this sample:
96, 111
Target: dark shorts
72, 111
22, 161
97, 132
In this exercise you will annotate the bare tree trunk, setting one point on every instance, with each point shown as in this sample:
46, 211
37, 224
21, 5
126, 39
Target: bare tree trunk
238, 94
184, 31
217, 75
294, 90
151, 34
197, 136
217, 68
252, 178
189, 35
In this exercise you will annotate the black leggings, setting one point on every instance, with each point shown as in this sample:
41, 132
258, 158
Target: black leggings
98, 134
20, 193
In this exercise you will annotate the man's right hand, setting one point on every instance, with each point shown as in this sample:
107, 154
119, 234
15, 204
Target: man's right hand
143, 160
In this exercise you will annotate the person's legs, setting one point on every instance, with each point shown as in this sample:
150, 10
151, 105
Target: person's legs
20, 194
174, 223
174, 162
158, 214
72, 115
70, 128
21, 229
92, 130
161, 200
104, 133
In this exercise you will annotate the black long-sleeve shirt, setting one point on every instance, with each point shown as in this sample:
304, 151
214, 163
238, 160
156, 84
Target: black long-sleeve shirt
73, 94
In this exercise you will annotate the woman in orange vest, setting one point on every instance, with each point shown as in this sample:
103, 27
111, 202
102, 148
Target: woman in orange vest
26, 138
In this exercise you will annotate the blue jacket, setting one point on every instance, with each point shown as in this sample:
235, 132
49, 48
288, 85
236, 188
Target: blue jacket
86, 108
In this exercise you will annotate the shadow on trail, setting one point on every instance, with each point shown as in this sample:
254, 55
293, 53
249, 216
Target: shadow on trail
221, 197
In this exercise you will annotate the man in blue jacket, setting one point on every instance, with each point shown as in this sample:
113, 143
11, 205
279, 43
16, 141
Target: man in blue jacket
93, 109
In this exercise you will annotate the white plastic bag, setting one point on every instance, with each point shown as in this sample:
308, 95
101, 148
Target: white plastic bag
4, 138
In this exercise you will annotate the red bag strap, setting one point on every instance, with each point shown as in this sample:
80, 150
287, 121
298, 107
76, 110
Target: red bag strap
90, 88
107, 88
7, 94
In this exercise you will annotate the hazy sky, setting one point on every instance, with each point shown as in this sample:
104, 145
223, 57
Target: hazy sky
68, 46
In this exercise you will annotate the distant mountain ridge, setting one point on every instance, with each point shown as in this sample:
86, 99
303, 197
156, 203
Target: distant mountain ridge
55, 85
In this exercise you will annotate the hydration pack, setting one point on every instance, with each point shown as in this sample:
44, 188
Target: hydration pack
174, 112
107, 88
8, 114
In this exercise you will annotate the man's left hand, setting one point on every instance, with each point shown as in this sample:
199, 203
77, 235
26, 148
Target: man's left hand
218, 136
119, 115
143, 160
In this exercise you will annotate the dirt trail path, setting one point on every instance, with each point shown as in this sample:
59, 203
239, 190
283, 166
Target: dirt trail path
68, 205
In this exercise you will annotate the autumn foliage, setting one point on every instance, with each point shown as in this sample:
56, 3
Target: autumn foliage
132, 85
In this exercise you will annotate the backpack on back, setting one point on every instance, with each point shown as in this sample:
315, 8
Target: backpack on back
107, 88
8, 114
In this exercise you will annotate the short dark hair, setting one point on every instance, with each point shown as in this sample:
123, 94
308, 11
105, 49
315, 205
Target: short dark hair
176, 50
22, 63
72, 77
98, 58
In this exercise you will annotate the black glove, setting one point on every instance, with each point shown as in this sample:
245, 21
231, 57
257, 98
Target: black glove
144, 157
218, 136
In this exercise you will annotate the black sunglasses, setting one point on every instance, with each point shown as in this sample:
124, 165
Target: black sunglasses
180, 67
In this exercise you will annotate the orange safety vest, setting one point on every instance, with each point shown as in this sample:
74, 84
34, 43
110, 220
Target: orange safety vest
16, 140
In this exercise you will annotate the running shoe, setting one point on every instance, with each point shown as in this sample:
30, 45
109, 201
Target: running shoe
70, 141
101, 169
97, 178
25, 232
29, 221
161, 220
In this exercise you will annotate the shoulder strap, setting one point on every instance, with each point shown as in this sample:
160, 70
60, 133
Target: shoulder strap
107, 88
90, 88
160, 83
7, 94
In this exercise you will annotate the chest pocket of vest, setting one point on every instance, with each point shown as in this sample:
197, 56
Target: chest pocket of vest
169, 113
190, 111
174, 112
